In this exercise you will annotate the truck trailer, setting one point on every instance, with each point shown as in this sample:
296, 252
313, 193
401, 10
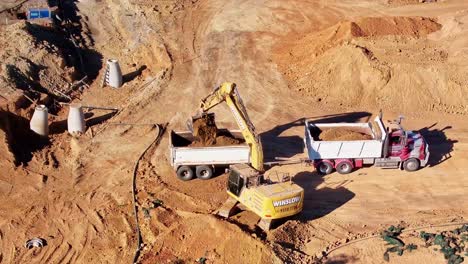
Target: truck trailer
201, 161
386, 148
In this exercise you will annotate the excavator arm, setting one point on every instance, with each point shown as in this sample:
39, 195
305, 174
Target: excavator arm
228, 93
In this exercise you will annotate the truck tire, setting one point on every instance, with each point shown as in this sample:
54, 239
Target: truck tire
185, 173
344, 167
411, 164
204, 172
324, 168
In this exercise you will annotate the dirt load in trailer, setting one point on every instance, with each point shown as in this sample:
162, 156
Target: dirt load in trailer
350, 145
189, 158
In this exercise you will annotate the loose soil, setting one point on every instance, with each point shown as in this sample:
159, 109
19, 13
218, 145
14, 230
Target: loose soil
340, 134
204, 131
206, 134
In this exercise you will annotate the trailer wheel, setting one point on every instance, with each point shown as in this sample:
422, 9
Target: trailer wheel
204, 172
185, 173
411, 164
324, 168
344, 167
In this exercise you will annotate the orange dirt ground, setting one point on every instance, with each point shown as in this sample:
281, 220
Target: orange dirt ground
329, 61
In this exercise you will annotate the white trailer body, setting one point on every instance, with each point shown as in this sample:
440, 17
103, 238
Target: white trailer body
194, 158
352, 149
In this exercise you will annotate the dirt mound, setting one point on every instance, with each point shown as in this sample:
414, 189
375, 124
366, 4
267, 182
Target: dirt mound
383, 26
372, 62
319, 42
33, 60
339, 134
205, 237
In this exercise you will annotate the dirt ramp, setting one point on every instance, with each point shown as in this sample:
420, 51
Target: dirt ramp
402, 26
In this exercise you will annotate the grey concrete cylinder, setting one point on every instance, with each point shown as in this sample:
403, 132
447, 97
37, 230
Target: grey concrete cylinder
113, 74
76, 122
39, 122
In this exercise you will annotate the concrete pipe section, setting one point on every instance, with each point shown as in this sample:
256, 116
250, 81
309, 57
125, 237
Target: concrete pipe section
113, 74
39, 122
76, 122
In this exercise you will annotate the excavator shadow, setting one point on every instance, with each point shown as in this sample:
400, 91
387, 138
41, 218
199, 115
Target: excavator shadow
275, 145
320, 201
440, 146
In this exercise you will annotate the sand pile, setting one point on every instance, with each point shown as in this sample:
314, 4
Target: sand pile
341, 134
319, 42
376, 63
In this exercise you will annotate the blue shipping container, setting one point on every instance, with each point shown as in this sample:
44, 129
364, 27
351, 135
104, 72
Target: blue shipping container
35, 13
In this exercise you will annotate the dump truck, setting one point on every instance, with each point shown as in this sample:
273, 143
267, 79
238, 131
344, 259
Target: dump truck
202, 161
387, 147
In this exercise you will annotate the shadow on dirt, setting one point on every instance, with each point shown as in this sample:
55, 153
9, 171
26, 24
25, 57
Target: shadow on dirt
321, 201
99, 119
59, 127
132, 75
21, 139
440, 146
275, 145
340, 259
87, 61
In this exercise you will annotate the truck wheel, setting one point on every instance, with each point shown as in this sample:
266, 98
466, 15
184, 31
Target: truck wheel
185, 173
411, 164
324, 168
344, 167
204, 172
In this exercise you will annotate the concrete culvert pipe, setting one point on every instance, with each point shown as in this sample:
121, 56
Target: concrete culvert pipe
76, 122
113, 76
39, 122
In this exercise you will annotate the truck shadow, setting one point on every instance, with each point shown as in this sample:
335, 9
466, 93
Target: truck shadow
319, 202
440, 146
275, 145
341, 259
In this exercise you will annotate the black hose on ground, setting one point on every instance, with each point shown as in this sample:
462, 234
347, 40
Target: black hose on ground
161, 130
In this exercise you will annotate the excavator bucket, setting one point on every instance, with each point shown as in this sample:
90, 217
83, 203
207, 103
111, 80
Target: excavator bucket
203, 128
208, 118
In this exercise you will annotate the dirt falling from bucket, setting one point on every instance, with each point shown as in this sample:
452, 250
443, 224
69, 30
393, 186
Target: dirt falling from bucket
205, 130
206, 134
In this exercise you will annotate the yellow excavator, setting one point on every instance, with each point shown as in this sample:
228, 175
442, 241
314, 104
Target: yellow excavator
247, 185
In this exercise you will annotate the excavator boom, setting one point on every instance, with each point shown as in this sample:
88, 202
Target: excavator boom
228, 93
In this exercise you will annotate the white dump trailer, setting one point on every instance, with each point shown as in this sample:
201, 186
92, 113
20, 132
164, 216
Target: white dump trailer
201, 161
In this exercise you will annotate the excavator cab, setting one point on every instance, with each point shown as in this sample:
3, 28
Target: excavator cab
242, 176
